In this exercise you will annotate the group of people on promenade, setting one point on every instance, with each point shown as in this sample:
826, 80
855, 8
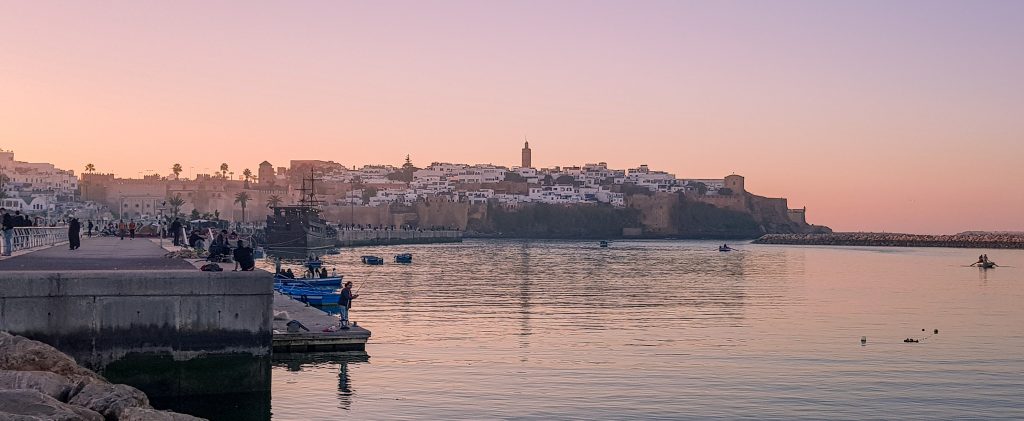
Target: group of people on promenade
16, 220
223, 245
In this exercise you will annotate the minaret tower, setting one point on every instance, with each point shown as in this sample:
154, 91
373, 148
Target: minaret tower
527, 161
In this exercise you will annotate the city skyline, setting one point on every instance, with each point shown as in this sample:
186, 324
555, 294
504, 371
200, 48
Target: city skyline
876, 116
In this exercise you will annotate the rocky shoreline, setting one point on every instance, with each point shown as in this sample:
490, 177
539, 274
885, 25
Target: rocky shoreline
965, 240
38, 382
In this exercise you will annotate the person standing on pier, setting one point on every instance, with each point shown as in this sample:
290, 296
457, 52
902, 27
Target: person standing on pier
176, 231
131, 229
345, 303
89, 227
121, 228
8, 231
74, 234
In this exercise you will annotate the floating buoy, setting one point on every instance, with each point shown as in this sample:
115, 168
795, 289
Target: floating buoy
863, 340
936, 332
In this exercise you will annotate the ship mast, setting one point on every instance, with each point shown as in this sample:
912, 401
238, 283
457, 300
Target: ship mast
309, 199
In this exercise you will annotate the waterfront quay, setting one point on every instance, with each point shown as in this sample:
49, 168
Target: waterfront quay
965, 240
317, 339
121, 308
379, 237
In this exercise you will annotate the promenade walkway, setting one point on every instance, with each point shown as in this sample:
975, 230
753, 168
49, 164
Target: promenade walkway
97, 253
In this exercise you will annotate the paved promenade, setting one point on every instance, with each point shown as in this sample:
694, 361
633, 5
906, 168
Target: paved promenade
98, 253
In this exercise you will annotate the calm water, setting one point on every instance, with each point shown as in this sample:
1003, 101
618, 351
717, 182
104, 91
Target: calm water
670, 330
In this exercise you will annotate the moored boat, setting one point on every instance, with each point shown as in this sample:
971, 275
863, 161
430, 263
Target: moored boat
373, 260
299, 228
314, 296
330, 281
603, 243
403, 258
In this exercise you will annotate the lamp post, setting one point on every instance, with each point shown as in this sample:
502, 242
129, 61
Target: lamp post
163, 206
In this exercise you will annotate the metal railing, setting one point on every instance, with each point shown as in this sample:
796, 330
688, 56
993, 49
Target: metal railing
32, 237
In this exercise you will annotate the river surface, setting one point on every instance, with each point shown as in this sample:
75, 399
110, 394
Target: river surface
496, 329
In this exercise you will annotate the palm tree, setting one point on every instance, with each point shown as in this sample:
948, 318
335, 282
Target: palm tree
242, 198
247, 173
176, 169
223, 169
89, 168
176, 202
274, 201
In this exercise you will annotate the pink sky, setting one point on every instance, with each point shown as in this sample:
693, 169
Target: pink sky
901, 116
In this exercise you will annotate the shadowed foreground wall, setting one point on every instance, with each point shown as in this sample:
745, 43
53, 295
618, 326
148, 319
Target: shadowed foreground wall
169, 333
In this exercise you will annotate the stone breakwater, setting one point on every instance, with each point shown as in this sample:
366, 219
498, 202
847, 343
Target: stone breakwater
974, 240
38, 382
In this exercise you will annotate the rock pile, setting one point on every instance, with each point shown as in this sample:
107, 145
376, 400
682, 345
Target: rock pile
963, 240
38, 382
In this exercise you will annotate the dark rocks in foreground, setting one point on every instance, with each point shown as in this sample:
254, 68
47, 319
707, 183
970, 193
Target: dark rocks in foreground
38, 382
965, 240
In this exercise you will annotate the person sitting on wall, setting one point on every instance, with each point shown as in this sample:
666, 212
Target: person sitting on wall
219, 246
243, 257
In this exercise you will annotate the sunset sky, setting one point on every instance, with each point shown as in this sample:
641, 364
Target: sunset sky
875, 115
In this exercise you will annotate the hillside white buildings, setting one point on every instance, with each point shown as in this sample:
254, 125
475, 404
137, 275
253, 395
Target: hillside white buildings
29, 186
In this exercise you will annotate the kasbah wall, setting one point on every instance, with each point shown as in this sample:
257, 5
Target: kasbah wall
772, 214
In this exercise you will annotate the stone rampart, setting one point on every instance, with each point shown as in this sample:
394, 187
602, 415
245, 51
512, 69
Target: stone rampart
995, 241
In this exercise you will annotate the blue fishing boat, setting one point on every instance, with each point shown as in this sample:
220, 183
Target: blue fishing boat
331, 281
314, 296
373, 260
403, 258
603, 243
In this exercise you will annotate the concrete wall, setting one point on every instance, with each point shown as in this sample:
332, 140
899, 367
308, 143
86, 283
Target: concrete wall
350, 238
165, 332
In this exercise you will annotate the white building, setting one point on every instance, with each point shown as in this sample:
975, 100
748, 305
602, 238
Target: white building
36, 178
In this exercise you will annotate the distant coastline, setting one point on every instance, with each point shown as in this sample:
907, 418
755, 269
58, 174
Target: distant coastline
973, 239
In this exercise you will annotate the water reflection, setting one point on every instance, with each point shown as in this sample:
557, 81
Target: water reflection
288, 366
655, 329
524, 300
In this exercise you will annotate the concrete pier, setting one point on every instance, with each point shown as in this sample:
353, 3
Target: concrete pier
371, 237
121, 308
316, 340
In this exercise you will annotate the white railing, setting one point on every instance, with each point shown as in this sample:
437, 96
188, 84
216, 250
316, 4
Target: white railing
32, 237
